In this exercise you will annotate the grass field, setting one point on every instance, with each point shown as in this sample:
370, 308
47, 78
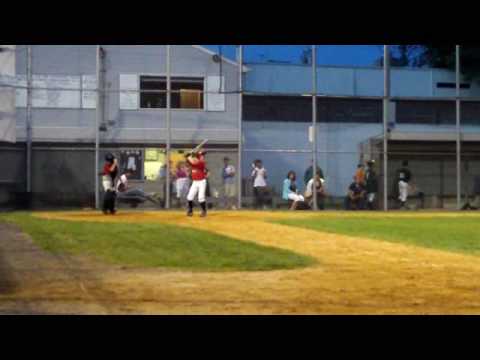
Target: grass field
155, 245
311, 263
461, 234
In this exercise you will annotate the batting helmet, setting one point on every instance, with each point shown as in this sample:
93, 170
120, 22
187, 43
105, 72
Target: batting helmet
109, 157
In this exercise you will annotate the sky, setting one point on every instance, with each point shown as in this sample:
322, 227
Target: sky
340, 55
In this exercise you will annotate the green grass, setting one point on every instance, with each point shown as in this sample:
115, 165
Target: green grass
451, 234
154, 245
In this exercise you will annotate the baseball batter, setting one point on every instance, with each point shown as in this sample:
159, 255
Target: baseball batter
199, 183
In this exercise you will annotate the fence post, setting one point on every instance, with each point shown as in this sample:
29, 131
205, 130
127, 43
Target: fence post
386, 107
314, 123
240, 124
459, 135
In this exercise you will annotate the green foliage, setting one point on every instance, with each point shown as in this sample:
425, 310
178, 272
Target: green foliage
154, 245
443, 56
438, 56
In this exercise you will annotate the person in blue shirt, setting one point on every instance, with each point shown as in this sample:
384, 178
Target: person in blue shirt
290, 191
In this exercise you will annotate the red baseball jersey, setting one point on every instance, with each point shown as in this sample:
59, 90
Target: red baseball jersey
106, 169
198, 170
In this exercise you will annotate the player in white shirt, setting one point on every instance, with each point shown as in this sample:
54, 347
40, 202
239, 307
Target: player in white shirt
259, 175
320, 190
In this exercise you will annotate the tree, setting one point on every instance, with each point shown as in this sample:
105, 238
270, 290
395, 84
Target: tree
443, 56
306, 56
437, 56
405, 55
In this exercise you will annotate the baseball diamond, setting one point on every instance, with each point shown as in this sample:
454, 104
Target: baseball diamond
239, 179
322, 268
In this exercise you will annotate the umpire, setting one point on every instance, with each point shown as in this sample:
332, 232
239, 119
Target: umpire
109, 173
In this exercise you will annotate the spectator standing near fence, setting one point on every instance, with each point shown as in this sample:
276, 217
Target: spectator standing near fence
259, 175
404, 177
181, 182
360, 174
371, 184
229, 187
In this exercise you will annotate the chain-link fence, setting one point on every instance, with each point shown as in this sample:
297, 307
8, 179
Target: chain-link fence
152, 104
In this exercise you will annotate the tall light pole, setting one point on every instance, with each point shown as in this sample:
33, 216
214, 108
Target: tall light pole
240, 124
386, 113
169, 125
98, 119
29, 120
459, 135
314, 123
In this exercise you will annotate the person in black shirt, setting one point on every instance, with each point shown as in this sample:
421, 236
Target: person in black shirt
404, 176
355, 199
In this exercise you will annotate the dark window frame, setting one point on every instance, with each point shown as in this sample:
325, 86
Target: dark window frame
158, 100
450, 85
299, 109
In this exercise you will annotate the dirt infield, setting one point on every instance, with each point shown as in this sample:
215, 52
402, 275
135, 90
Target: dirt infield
353, 275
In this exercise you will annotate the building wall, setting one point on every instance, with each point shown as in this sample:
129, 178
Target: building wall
297, 79
63, 177
339, 148
126, 126
12, 176
282, 145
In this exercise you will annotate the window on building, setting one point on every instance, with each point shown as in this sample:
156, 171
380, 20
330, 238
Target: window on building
426, 112
187, 93
277, 108
299, 109
153, 92
349, 110
470, 113
451, 85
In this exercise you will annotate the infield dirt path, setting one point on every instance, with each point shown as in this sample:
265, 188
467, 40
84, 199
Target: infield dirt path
353, 276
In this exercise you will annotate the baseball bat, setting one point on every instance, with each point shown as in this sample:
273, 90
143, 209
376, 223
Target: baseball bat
198, 148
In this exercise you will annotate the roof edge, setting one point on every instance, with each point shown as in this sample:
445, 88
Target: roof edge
210, 52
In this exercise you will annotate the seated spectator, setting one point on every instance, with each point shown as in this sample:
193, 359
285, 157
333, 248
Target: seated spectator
290, 191
355, 199
309, 173
320, 191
